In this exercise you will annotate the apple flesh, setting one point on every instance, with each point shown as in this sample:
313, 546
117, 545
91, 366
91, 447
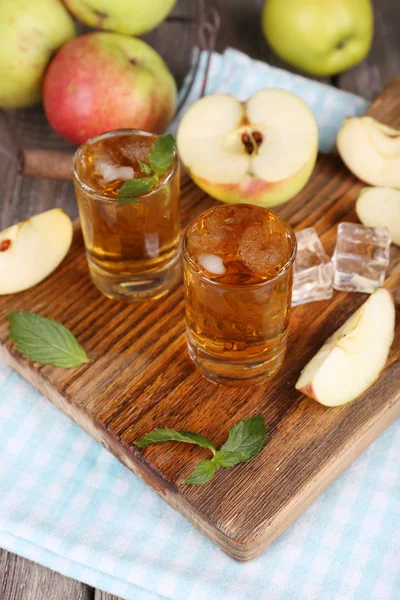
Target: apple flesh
100, 82
371, 150
380, 207
351, 360
322, 37
261, 151
30, 33
32, 249
133, 17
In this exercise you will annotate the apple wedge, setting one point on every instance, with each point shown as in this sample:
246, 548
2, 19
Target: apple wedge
352, 358
32, 249
380, 207
261, 151
371, 151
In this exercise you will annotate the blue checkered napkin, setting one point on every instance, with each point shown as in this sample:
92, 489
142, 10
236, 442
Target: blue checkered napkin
235, 73
66, 503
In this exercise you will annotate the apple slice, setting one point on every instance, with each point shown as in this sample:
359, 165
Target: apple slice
380, 207
261, 151
371, 151
32, 249
352, 358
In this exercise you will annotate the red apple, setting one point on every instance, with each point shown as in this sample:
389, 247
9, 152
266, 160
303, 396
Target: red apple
104, 81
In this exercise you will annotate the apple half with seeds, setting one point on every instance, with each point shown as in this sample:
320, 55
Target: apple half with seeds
371, 150
351, 360
32, 249
262, 151
380, 207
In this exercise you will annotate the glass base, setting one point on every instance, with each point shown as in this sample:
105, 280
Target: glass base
137, 287
231, 373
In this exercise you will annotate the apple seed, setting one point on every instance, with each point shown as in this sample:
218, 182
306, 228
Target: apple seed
248, 144
4, 245
257, 137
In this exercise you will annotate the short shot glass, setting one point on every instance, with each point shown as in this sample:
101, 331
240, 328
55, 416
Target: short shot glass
238, 268
133, 250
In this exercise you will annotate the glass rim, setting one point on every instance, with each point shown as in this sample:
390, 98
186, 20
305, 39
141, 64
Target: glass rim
108, 198
194, 269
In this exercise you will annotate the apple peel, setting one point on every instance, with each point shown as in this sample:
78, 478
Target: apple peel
32, 249
352, 359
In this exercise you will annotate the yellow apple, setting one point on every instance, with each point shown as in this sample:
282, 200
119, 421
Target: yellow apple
371, 150
262, 151
380, 207
351, 360
133, 17
32, 249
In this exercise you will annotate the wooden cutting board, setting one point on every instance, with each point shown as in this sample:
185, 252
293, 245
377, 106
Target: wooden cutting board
142, 378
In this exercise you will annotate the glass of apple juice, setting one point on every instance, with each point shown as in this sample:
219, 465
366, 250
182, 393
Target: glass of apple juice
238, 262
132, 243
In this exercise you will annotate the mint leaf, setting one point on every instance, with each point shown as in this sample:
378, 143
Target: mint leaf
135, 187
203, 472
162, 153
45, 341
170, 435
245, 441
145, 168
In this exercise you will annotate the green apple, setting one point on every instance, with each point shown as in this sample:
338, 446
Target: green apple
320, 37
31, 31
133, 17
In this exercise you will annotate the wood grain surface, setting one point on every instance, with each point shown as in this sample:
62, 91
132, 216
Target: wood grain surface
23, 197
20, 578
142, 378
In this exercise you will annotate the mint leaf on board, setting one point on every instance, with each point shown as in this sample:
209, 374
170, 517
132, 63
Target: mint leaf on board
170, 435
45, 341
202, 473
245, 441
162, 153
135, 187
145, 168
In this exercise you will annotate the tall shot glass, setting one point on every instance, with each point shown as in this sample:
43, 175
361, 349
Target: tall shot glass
132, 249
238, 263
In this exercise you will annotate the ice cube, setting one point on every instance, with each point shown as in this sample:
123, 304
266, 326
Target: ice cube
313, 269
112, 172
212, 263
263, 251
360, 258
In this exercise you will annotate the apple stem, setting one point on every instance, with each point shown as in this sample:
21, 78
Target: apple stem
4, 245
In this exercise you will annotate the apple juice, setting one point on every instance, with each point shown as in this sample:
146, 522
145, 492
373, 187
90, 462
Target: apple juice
238, 263
132, 249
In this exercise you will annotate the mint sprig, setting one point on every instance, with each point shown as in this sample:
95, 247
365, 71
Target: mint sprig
245, 440
45, 341
160, 159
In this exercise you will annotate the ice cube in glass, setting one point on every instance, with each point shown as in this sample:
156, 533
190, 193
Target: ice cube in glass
361, 257
313, 269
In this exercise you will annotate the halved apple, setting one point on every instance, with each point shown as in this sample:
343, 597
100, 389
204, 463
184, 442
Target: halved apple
261, 151
380, 207
32, 249
371, 150
352, 358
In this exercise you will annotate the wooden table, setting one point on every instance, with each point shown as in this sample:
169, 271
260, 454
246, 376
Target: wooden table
20, 198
